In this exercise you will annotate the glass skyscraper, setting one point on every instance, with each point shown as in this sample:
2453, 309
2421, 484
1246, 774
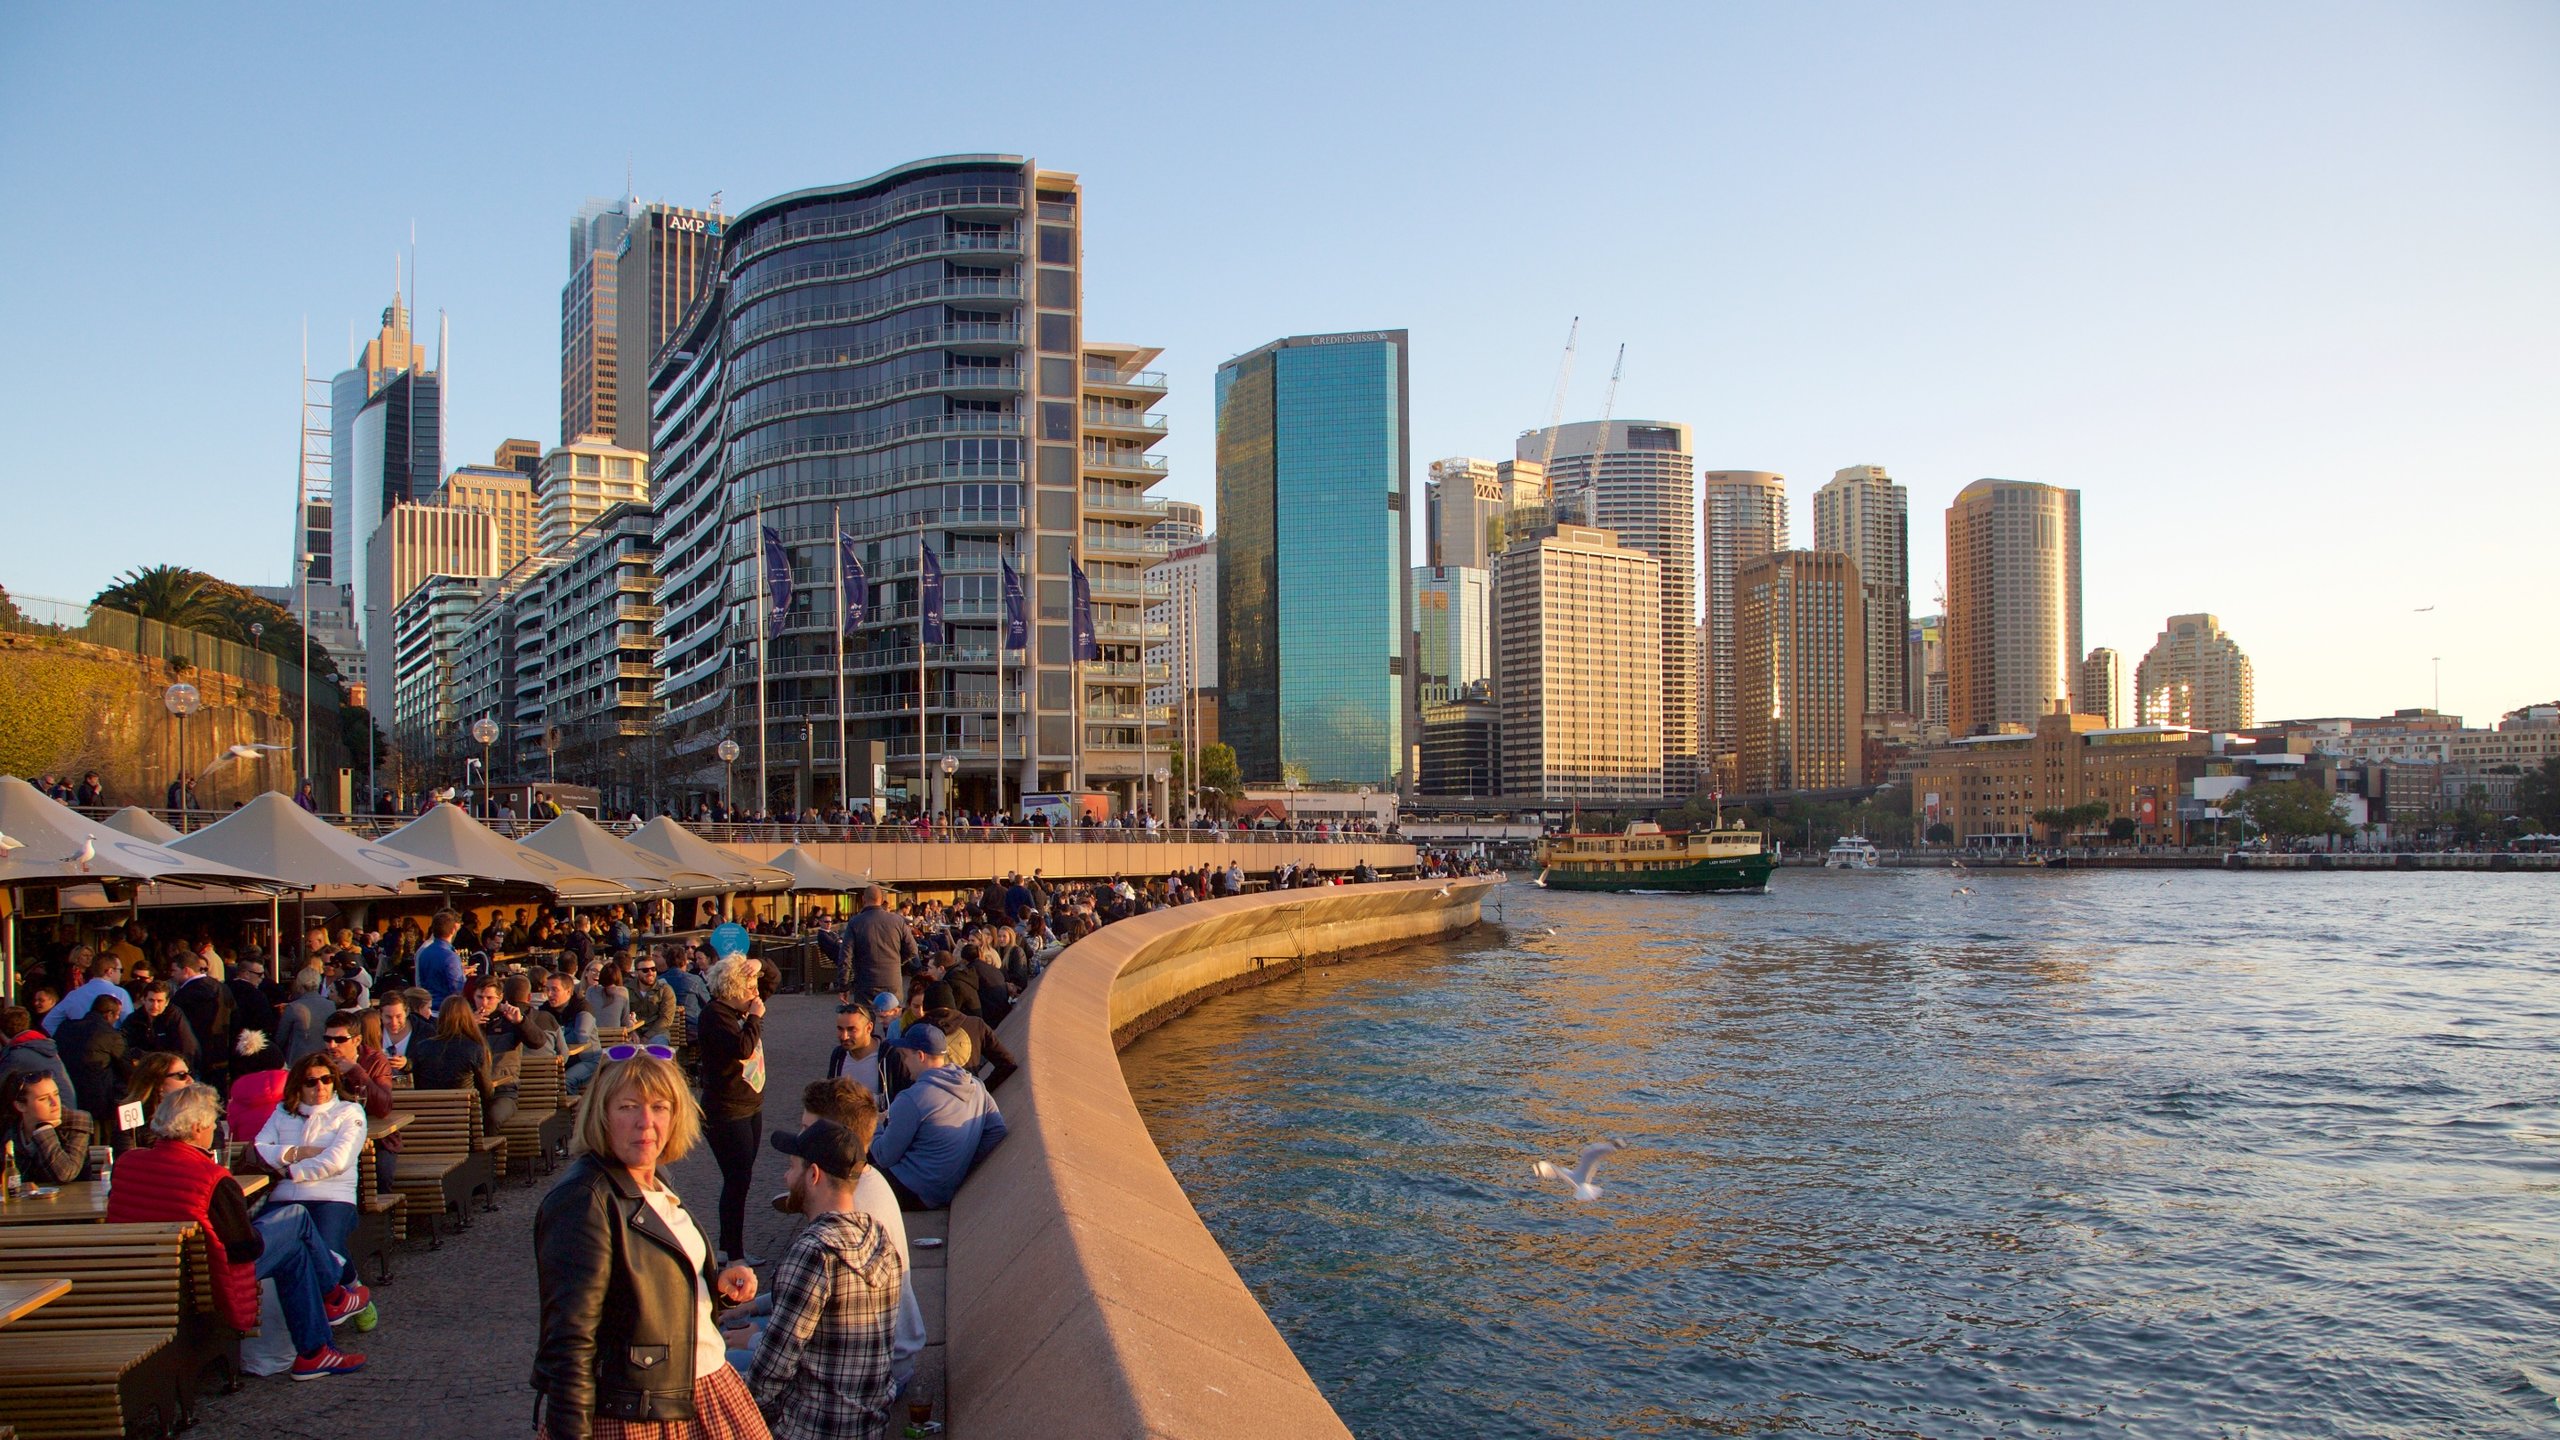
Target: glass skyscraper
1315, 597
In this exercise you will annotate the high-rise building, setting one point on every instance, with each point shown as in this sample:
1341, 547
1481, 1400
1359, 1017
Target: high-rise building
1800, 674
1183, 524
430, 631
1578, 686
667, 256
1862, 514
580, 481
1744, 517
1462, 745
598, 672
1465, 502
2101, 688
2013, 604
504, 494
1124, 741
590, 380
522, 456
386, 448
1315, 599
1928, 662
1638, 479
903, 357
2195, 675
411, 544
1188, 657
1453, 629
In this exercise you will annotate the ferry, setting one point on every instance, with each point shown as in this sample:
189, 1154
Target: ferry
1852, 852
1647, 857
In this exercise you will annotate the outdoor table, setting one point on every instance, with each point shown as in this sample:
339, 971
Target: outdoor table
386, 1126
21, 1298
80, 1202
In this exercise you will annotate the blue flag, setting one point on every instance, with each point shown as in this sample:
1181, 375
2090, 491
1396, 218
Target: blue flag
777, 577
929, 582
857, 590
1087, 647
1017, 626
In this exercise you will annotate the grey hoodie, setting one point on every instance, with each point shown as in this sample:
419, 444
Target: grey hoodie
936, 1130
36, 1052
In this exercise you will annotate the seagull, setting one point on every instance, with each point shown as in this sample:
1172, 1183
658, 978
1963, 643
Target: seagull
88, 852
2421, 610
1964, 890
1584, 1166
1551, 930
1442, 893
7, 844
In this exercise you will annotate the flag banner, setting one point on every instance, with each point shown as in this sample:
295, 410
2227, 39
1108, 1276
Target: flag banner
857, 590
1087, 647
929, 587
777, 579
1017, 625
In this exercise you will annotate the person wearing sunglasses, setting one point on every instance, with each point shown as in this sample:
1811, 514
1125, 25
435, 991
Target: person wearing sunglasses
313, 1142
653, 1001
364, 1077
155, 1076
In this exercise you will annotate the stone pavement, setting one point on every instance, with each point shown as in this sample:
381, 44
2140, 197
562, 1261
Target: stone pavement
454, 1351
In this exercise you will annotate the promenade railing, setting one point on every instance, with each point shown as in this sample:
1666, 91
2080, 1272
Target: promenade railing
812, 832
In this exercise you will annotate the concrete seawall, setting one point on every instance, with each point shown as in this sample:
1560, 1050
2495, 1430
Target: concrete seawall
971, 862
1085, 1297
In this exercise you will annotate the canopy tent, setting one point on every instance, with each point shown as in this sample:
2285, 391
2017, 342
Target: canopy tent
141, 824
274, 835
453, 843
813, 876
582, 844
672, 842
50, 844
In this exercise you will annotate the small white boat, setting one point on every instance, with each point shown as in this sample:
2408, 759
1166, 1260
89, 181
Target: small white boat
1851, 852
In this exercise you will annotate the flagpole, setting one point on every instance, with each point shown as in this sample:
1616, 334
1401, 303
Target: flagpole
844, 757
924, 781
1004, 634
764, 651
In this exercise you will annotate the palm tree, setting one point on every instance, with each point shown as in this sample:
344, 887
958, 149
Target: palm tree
170, 594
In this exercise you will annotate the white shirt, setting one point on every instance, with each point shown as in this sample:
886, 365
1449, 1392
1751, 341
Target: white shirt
337, 1127
710, 1352
873, 1197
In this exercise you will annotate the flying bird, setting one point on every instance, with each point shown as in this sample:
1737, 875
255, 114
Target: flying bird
1442, 893
1964, 890
1584, 1166
2421, 610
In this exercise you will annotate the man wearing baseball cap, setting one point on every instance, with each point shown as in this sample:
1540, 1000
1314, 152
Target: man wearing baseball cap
938, 1128
821, 1371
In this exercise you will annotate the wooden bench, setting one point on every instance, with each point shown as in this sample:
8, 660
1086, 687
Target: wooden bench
379, 1217
535, 1133
442, 1160
104, 1360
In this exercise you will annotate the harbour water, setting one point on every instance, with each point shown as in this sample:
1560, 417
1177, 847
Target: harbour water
2199, 1154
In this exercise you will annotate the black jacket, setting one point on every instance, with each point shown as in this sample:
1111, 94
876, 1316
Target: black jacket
725, 1039
618, 1304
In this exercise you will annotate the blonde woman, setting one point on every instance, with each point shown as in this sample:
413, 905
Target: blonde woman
629, 1345
731, 1044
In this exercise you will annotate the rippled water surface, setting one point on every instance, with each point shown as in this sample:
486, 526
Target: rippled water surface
2078, 1154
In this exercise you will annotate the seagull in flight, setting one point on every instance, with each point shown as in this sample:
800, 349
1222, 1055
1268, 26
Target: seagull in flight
1964, 890
1441, 894
1584, 1166
2421, 610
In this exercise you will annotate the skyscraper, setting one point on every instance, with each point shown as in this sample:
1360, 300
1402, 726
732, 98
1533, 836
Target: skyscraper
1862, 514
2013, 603
666, 257
413, 544
2195, 675
1800, 636
505, 495
589, 379
2101, 688
1578, 681
1315, 600
386, 448
1745, 517
1453, 629
1928, 662
1637, 479
1464, 503
580, 481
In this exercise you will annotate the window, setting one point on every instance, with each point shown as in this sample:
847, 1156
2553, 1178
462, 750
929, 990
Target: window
1057, 245
1058, 333
1057, 422
1057, 376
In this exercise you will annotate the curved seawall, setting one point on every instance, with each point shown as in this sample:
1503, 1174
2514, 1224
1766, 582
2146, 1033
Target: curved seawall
1085, 1296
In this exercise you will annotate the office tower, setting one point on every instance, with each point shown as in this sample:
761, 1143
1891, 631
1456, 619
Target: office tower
522, 456
1187, 661
667, 256
589, 379
412, 543
1183, 524
1637, 478
1744, 517
2195, 675
1315, 600
1800, 674
1862, 514
1929, 663
1453, 629
1465, 502
505, 495
903, 356
386, 448
1577, 680
1462, 745
2013, 604
580, 481
2101, 688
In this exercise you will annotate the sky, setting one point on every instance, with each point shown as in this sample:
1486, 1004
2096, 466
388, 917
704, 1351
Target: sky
2274, 286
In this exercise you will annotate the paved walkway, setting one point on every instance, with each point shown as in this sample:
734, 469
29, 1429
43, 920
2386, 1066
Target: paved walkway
454, 1351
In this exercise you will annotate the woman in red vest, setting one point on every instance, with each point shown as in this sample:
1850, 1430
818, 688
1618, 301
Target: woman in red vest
176, 1178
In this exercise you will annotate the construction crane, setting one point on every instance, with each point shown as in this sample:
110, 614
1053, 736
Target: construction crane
1555, 416
1600, 442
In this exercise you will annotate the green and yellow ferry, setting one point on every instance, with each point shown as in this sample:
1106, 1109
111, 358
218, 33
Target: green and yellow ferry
1647, 857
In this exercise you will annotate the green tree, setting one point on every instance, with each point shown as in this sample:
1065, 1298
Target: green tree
2538, 796
1220, 777
2289, 810
1942, 833
2122, 828
170, 594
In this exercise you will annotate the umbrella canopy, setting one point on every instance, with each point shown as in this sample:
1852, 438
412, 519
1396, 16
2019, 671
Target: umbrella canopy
582, 844
813, 876
49, 843
670, 841
141, 824
453, 843
273, 835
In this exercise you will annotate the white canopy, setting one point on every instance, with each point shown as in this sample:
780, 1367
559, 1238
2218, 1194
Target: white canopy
672, 842
141, 824
813, 876
274, 835
453, 843
582, 844
48, 843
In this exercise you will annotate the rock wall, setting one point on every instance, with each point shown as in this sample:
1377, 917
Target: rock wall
67, 708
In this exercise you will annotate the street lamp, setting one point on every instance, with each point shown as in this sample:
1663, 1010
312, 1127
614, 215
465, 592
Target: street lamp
727, 750
485, 730
950, 767
1291, 784
182, 700
1166, 802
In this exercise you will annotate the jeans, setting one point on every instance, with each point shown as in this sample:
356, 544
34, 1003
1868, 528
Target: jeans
581, 1069
337, 1222
733, 1144
500, 1109
298, 1260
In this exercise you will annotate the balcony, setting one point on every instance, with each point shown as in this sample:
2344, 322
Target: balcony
1125, 502
1138, 380
958, 197
1131, 543
962, 288
1124, 462
1136, 422
1132, 630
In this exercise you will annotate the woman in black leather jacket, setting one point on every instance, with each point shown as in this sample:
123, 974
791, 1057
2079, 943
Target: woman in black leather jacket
628, 1345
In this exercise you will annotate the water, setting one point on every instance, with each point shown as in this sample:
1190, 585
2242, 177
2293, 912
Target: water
2098, 1153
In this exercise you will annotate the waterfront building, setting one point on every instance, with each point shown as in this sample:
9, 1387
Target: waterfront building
1462, 745
1743, 517
2101, 688
2194, 675
430, 631
1186, 662
1861, 513
589, 378
1465, 505
580, 482
1638, 480
1315, 598
1183, 524
904, 356
2524, 739
412, 543
495, 678
386, 449
1987, 788
590, 616
502, 492
2013, 604
665, 258
1800, 672
1578, 683
1453, 629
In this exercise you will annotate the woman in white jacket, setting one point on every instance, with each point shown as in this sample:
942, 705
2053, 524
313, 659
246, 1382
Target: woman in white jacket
314, 1141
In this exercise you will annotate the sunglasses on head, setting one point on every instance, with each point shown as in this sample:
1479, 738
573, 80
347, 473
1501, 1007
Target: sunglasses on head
625, 1052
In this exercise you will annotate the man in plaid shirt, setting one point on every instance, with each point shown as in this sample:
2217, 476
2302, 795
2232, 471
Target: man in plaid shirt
821, 1371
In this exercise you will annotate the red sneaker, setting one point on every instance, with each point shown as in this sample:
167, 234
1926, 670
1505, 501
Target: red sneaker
327, 1360
345, 1305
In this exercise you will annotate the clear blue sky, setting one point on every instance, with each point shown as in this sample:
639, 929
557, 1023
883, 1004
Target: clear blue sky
2276, 286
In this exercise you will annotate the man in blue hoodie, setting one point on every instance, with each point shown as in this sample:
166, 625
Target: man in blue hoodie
937, 1129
